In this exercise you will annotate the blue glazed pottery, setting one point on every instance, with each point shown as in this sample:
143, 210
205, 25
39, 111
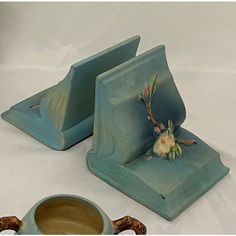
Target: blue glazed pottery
63, 114
123, 137
69, 214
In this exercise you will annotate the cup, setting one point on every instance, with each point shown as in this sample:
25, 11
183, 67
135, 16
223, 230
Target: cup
69, 214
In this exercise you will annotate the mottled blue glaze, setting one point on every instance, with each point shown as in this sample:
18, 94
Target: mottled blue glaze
122, 136
63, 114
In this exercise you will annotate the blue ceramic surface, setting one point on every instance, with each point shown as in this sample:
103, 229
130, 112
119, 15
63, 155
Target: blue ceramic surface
122, 137
63, 114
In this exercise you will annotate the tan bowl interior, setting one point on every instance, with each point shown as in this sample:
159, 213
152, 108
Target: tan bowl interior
68, 216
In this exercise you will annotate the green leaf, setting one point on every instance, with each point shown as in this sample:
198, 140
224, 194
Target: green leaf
179, 149
153, 85
174, 156
171, 154
170, 125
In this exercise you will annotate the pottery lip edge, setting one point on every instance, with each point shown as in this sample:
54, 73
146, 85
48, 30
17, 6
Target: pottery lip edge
136, 38
161, 48
29, 222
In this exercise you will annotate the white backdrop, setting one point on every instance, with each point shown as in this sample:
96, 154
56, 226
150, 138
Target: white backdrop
39, 42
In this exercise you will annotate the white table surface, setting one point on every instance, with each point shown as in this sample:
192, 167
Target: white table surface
38, 44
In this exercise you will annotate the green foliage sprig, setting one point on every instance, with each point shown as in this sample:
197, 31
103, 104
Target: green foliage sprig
166, 145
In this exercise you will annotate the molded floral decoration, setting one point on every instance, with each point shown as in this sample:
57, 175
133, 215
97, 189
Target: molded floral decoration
166, 145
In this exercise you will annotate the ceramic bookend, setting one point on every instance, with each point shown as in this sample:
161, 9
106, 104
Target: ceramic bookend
139, 146
69, 214
60, 116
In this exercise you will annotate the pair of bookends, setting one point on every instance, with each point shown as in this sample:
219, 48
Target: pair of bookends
101, 94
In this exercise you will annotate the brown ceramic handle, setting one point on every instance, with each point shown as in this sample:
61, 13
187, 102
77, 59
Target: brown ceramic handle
11, 223
127, 223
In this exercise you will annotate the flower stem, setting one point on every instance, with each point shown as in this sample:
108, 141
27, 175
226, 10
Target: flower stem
186, 142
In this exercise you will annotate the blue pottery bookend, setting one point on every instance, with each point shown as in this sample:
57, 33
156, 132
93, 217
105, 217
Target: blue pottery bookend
123, 137
63, 114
